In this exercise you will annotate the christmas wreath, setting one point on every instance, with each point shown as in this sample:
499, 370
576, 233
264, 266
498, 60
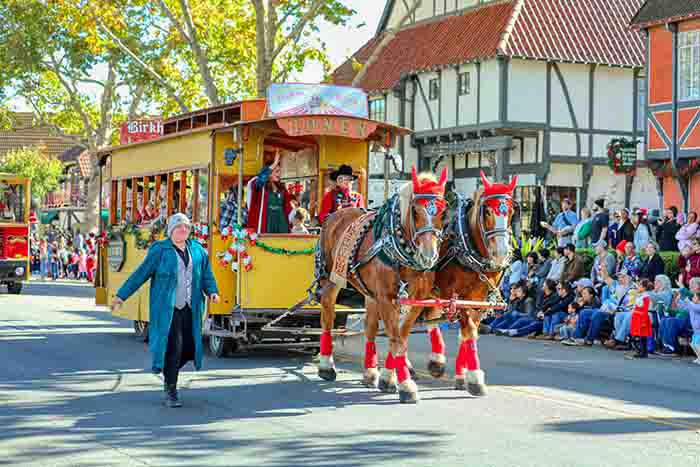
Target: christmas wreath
622, 155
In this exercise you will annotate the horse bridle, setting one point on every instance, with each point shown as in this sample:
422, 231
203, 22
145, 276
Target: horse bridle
504, 227
432, 211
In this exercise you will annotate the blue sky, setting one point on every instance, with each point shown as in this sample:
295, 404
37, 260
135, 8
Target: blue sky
342, 41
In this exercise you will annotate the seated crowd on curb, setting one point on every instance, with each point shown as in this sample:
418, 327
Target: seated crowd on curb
626, 303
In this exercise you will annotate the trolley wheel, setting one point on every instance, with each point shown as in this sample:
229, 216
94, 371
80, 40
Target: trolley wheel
141, 328
15, 288
220, 346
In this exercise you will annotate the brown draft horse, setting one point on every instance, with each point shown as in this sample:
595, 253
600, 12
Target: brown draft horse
393, 260
472, 262
480, 251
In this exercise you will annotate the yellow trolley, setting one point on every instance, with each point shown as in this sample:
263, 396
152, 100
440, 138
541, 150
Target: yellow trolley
203, 159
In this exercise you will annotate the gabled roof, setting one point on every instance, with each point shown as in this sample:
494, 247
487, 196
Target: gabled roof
28, 133
662, 11
431, 45
578, 31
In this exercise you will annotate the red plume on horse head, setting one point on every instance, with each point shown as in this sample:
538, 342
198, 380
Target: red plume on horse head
498, 188
427, 185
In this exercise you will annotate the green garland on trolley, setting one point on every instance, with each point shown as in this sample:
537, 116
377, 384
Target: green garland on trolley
284, 251
140, 241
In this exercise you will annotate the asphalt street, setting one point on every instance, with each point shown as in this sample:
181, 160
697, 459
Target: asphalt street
74, 392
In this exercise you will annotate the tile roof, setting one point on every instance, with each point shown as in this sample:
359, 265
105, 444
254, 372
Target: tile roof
579, 31
659, 11
26, 134
430, 45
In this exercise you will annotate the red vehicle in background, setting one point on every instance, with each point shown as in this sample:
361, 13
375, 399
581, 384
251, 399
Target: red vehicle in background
14, 231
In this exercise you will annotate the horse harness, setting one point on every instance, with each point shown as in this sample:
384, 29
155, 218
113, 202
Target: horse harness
393, 245
461, 246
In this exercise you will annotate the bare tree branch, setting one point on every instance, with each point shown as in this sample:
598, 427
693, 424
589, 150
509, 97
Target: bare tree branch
173, 19
72, 91
136, 101
299, 27
199, 55
386, 39
170, 90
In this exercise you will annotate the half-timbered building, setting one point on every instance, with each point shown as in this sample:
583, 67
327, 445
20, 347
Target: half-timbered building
672, 30
543, 85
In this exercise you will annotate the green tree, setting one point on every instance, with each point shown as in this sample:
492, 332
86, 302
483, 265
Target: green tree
35, 164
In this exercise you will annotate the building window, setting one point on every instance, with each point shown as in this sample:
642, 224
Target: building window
434, 89
377, 109
641, 104
463, 83
689, 65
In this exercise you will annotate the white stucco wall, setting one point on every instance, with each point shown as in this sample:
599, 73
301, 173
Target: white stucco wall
564, 144
604, 184
575, 79
467, 103
614, 99
466, 186
527, 91
566, 175
422, 115
449, 97
392, 109
489, 91
644, 193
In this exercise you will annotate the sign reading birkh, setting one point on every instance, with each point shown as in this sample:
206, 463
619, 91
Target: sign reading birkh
140, 130
347, 127
316, 99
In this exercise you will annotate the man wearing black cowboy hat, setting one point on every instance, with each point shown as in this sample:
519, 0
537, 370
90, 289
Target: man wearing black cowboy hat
342, 195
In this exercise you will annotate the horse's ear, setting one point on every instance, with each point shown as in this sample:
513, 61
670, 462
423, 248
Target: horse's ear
513, 183
443, 178
485, 181
414, 177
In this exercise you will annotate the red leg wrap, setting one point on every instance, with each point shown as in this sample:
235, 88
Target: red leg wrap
471, 354
402, 373
390, 362
371, 360
326, 344
437, 343
461, 361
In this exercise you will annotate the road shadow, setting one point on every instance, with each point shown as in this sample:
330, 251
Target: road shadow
626, 425
56, 289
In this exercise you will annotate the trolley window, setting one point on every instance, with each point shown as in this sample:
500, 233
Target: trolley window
12, 197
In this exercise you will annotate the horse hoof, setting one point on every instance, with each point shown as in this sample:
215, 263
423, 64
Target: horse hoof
460, 384
386, 386
370, 381
477, 389
408, 397
436, 369
327, 374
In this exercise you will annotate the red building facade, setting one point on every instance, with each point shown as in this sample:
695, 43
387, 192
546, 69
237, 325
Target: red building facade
673, 97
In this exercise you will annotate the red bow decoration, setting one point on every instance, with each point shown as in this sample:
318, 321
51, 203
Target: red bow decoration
499, 189
426, 186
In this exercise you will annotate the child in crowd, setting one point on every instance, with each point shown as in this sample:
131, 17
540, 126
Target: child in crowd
692, 306
568, 330
82, 265
641, 321
90, 264
299, 218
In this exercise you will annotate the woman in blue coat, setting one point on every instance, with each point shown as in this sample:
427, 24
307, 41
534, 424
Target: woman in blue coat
180, 277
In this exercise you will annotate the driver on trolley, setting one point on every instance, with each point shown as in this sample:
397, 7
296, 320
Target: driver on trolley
342, 195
